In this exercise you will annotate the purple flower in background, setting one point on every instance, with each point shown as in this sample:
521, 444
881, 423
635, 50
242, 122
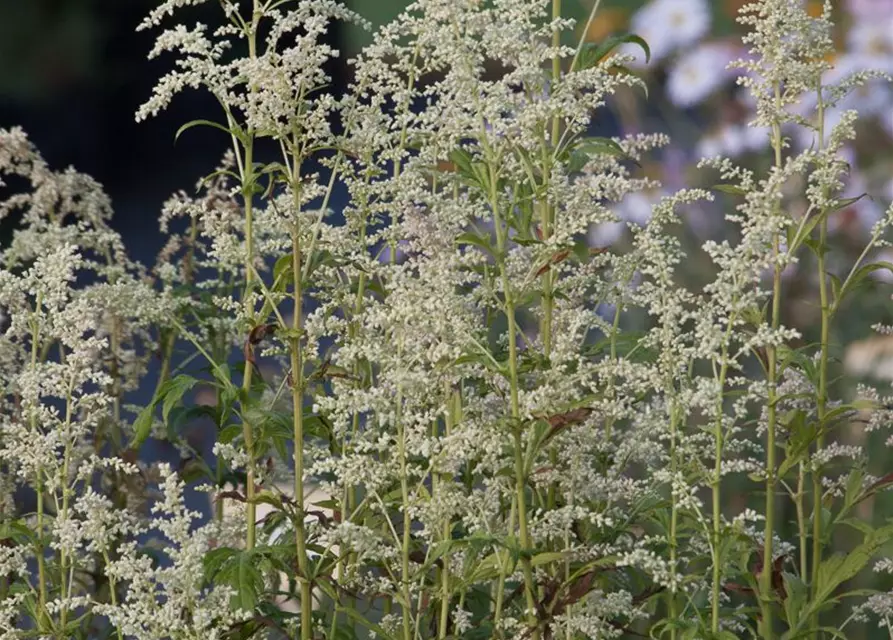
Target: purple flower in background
605, 234
872, 40
870, 9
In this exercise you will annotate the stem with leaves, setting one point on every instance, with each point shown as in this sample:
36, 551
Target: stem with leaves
766, 595
516, 423
822, 398
248, 181
297, 394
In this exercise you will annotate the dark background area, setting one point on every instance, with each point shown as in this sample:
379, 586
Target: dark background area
72, 75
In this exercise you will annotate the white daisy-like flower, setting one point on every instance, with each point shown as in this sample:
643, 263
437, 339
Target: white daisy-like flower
699, 73
873, 39
667, 25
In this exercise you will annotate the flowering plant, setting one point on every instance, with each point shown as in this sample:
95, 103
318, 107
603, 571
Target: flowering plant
461, 418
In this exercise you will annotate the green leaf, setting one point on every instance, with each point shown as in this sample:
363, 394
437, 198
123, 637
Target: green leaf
473, 173
207, 123
17, 531
547, 557
593, 53
360, 619
597, 145
857, 277
841, 567
731, 189
180, 416
249, 582
283, 274
268, 497
229, 433
797, 595
480, 241
173, 391
846, 203
214, 560
142, 426
796, 235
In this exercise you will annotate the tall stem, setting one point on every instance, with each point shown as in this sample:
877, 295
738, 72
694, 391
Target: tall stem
548, 211
517, 428
297, 394
674, 516
65, 560
453, 407
546, 224
771, 419
404, 495
500, 585
821, 401
801, 521
248, 195
42, 616
716, 490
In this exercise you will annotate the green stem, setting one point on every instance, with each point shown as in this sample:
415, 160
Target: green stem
43, 621
453, 408
548, 211
547, 223
65, 560
297, 372
801, 521
500, 585
674, 516
766, 596
113, 596
248, 195
517, 428
609, 387
821, 401
43, 617
716, 490
404, 496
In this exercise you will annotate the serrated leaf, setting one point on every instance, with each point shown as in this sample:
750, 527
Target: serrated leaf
841, 567
355, 615
797, 595
214, 559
